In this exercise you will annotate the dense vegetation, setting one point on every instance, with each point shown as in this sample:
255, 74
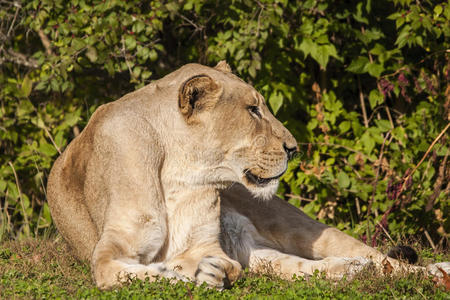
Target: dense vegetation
363, 85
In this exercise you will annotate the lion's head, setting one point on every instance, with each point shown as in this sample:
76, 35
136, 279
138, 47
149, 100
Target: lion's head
247, 143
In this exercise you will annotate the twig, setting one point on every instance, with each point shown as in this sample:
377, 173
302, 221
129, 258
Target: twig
125, 57
427, 235
358, 207
39, 170
380, 89
380, 158
420, 293
5, 209
372, 199
363, 105
25, 217
45, 41
424, 156
375, 110
259, 17
14, 20
388, 112
197, 27
354, 170
51, 139
387, 233
18, 58
438, 184
299, 197
398, 200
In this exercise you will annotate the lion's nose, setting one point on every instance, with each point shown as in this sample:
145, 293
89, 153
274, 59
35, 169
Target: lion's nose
290, 151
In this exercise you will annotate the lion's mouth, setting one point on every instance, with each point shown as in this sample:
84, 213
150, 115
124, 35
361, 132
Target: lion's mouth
259, 181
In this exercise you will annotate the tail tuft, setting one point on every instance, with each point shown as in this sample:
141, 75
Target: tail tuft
403, 253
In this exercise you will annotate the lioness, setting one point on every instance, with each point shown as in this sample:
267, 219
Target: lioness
177, 180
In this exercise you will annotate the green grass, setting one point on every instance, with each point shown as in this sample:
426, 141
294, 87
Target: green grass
45, 269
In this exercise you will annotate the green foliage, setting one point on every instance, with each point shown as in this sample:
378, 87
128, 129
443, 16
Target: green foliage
362, 86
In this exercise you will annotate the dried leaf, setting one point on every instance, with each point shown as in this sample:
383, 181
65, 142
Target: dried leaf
387, 267
444, 281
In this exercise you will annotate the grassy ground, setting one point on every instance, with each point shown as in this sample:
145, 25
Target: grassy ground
45, 269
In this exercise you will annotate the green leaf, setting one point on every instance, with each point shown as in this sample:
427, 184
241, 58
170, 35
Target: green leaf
384, 125
375, 98
130, 42
375, 69
344, 126
47, 149
91, 54
321, 55
27, 85
368, 142
343, 180
403, 37
77, 44
2, 186
359, 65
312, 124
275, 101
307, 46
153, 55
146, 74
41, 85
72, 118
138, 26
438, 10
24, 108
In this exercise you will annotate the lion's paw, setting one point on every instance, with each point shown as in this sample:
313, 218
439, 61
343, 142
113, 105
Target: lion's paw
217, 272
171, 274
433, 269
337, 267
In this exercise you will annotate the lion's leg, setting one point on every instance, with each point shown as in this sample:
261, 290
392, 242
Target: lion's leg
134, 226
289, 230
280, 226
241, 240
125, 250
194, 247
266, 260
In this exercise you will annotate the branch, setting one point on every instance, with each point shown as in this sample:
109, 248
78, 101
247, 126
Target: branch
45, 41
363, 105
299, 197
375, 183
424, 156
438, 184
18, 58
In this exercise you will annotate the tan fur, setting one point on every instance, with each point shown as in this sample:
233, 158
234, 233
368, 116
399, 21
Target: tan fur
177, 180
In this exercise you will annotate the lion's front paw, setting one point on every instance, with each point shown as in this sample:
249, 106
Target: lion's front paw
217, 272
437, 268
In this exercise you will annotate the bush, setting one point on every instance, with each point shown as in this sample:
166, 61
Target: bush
363, 86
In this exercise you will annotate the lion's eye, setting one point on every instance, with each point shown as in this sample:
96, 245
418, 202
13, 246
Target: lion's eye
254, 110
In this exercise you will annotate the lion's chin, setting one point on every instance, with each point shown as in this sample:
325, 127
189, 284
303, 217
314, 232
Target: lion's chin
262, 188
264, 192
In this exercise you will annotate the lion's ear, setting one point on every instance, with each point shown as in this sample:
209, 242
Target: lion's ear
223, 66
198, 93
